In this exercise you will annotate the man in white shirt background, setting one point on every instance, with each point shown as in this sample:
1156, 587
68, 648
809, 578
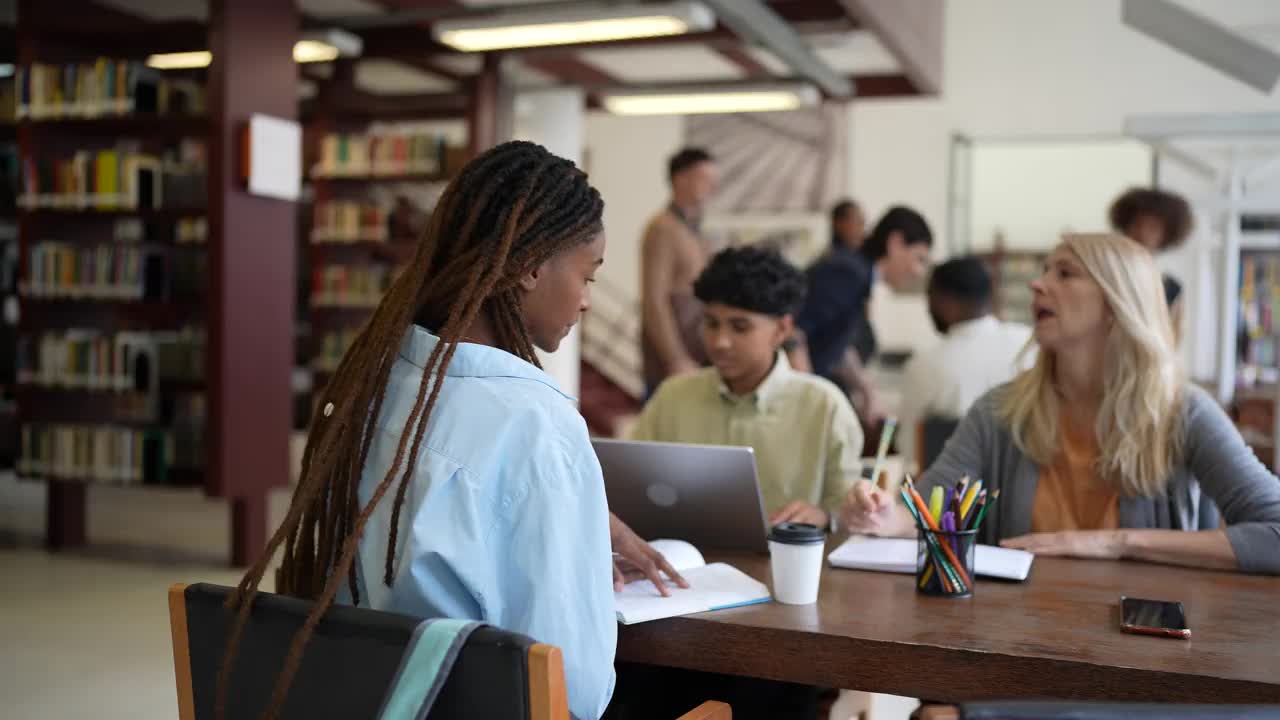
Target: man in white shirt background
977, 352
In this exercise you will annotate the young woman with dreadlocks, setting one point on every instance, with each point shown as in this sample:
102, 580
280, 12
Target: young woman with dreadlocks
445, 474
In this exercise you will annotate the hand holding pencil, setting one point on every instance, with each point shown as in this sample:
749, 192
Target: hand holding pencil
872, 510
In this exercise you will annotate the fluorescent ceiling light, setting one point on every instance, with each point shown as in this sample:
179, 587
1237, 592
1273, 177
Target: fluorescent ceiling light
729, 99
536, 28
180, 60
305, 51
320, 46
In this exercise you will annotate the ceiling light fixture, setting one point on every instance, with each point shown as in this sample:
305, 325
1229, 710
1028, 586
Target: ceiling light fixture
315, 46
727, 99
538, 28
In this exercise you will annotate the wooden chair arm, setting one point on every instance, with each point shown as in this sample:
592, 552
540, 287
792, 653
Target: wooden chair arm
710, 710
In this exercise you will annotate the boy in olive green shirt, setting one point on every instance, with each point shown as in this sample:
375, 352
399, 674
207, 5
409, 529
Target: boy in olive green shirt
806, 438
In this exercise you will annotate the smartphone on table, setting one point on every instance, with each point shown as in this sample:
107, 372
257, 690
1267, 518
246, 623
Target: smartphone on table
1153, 617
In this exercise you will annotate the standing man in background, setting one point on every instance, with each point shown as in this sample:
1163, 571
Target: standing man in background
673, 253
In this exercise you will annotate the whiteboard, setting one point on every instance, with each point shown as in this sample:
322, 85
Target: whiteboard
1032, 191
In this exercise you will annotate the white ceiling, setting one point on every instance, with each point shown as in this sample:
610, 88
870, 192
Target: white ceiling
523, 76
499, 3
162, 9
460, 63
339, 8
663, 63
852, 53
389, 77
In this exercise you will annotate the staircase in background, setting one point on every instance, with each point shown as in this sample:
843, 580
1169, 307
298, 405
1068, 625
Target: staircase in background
612, 380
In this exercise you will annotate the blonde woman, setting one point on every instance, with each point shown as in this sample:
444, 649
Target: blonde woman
1102, 448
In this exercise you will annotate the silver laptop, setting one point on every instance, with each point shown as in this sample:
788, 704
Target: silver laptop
706, 495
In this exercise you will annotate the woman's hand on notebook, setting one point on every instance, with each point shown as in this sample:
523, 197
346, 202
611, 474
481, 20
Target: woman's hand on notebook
799, 511
634, 558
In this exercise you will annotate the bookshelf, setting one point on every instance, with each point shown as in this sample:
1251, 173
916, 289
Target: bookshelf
153, 354
373, 188
112, 228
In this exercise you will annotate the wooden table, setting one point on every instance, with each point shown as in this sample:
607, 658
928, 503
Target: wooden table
1055, 636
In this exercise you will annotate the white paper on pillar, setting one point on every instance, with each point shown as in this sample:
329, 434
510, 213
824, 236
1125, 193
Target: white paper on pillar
275, 157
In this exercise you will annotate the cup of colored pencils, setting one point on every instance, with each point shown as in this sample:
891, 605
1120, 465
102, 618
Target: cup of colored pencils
947, 528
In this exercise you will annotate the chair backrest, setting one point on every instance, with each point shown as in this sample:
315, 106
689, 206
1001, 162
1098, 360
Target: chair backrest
934, 433
349, 663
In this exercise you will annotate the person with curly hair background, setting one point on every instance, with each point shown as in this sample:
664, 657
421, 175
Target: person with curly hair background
1159, 221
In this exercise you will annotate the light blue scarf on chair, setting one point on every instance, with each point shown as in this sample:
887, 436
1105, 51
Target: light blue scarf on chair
425, 667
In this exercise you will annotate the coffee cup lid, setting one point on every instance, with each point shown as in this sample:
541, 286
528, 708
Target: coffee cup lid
790, 533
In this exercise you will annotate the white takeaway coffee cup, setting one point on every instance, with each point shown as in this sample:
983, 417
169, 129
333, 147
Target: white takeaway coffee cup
795, 551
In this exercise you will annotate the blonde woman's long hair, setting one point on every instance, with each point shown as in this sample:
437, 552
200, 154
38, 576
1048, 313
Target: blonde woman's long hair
1138, 426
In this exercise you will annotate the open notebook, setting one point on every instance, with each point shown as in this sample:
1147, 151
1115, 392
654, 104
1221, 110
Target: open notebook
898, 555
711, 587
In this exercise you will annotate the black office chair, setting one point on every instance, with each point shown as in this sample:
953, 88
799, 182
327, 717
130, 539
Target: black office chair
1060, 710
932, 435
350, 662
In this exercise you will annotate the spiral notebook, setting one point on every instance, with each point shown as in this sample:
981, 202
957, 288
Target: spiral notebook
898, 555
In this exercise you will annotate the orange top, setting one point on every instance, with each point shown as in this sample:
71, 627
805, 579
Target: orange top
1070, 494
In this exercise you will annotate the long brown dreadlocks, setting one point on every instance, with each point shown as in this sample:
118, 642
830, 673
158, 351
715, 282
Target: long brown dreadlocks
508, 211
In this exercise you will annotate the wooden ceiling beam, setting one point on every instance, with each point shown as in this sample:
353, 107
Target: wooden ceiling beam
911, 31
571, 70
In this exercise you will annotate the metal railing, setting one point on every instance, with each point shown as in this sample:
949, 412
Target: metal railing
611, 337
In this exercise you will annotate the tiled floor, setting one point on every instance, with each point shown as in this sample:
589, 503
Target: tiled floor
88, 637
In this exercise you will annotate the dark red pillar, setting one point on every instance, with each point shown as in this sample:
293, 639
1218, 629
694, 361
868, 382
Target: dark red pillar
253, 241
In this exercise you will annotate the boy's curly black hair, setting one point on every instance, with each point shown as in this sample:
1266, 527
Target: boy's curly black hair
754, 279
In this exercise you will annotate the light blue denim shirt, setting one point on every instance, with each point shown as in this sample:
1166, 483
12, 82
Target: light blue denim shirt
505, 520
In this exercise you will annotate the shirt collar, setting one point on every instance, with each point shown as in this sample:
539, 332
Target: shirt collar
986, 322
473, 360
765, 390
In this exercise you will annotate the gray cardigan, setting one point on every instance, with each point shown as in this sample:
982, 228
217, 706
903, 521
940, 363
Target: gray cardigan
1216, 456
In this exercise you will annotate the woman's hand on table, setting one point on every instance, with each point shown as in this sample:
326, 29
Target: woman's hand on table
1096, 544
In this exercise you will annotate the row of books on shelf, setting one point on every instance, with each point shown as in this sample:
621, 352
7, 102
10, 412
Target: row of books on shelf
112, 272
333, 345
191, 231
105, 87
121, 362
111, 179
1259, 305
109, 454
356, 286
380, 154
342, 221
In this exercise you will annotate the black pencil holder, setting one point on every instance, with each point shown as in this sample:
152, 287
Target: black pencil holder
944, 562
